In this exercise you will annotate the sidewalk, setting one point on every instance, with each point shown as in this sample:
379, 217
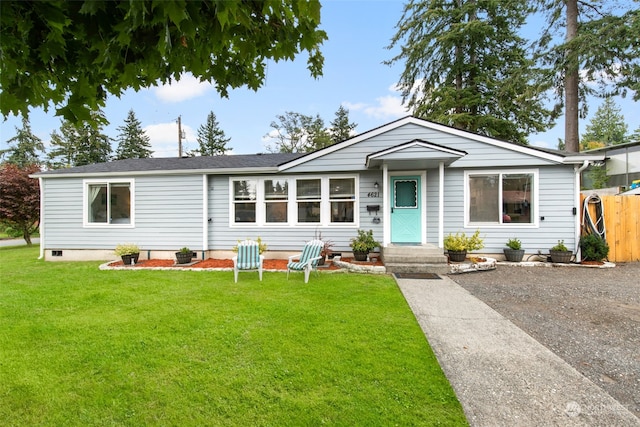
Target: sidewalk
501, 375
18, 242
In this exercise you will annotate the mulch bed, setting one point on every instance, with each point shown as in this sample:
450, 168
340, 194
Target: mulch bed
269, 264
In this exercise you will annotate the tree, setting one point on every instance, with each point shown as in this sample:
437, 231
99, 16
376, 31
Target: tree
20, 199
598, 46
466, 66
290, 133
211, 138
607, 126
318, 135
340, 127
73, 53
80, 145
133, 142
27, 146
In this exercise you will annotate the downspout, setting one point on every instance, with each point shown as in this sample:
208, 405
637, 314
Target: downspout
577, 172
441, 205
205, 215
41, 225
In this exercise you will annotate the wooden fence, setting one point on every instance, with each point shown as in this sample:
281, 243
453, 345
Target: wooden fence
622, 226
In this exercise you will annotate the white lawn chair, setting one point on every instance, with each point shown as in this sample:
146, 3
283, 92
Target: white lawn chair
248, 258
307, 260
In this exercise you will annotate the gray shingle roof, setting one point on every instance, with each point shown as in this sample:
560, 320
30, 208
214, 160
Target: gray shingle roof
244, 161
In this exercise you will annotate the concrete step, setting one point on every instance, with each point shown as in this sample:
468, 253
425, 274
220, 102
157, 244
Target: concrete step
414, 259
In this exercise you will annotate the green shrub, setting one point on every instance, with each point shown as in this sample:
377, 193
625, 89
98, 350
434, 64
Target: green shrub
460, 242
560, 247
514, 244
593, 247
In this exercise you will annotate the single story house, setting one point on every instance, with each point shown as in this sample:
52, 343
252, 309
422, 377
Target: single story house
411, 181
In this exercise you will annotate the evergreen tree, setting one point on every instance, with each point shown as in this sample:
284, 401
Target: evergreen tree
290, 133
635, 136
340, 127
211, 139
133, 142
318, 135
598, 43
465, 65
80, 145
27, 146
606, 128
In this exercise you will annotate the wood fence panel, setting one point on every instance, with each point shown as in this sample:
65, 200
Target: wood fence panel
622, 224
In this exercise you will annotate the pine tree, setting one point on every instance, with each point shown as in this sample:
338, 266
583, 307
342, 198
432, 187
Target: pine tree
79, 145
211, 139
340, 127
318, 135
607, 127
133, 142
27, 146
465, 65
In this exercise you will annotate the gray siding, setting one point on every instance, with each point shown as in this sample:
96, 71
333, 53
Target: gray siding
168, 215
287, 237
479, 154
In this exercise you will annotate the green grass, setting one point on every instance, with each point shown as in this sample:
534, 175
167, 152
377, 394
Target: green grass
80, 347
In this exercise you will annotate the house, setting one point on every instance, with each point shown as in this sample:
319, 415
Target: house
411, 181
622, 162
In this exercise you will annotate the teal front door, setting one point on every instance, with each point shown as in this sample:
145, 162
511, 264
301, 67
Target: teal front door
406, 210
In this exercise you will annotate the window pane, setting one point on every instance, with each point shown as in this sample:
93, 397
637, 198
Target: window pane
245, 212
341, 211
342, 188
405, 194
276, 189
276, 211
309, 212
516, 198
98, 203
483, 198
120, 203
244, 190
308, 188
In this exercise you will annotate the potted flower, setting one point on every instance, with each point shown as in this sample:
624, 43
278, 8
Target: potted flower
560, 253
514, 252
457, 245
184, 255
326, 249
363, 244
128, 252
262, 247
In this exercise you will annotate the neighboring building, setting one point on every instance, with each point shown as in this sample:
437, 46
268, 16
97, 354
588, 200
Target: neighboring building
622, 163
410, 181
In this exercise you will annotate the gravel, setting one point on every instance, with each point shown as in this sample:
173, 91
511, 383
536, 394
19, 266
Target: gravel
590, 317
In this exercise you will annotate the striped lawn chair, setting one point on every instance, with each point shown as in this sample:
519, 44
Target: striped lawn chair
248, 258
307, 260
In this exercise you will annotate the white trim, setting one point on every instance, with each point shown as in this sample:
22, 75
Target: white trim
41, 225
162, 172
441, 205
535, 204
108, 181
386, 204
423, 203
205, 212
292, 213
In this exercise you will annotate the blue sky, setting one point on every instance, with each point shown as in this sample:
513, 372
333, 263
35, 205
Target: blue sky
354, 77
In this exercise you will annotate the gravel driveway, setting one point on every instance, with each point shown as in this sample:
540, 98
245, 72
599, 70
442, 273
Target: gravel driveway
589, 317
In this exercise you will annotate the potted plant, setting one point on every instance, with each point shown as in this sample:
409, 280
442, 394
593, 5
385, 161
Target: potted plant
560, 253
128, 252
457, 245
326, 249
593, 248
363, 244
514, 252
262, 247
184, 255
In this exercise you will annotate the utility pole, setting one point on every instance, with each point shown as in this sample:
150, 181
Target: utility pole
179, 136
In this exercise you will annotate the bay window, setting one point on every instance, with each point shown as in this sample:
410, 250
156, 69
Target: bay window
501, 197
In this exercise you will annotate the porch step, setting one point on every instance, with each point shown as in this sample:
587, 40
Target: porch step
415, 259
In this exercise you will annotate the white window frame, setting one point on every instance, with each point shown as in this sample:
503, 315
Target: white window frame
292, 207
85, 202
535, 202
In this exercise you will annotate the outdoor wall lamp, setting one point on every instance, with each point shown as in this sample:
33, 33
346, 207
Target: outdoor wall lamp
376, 185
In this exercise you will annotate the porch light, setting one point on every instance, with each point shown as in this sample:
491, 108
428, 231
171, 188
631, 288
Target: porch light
376, 185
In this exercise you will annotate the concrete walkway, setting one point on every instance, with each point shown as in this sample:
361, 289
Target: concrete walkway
501, 375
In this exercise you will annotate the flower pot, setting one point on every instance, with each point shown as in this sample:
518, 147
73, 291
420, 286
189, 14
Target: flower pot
561, 256
130, 259
514, 255
457, 256
183, 257
360, 256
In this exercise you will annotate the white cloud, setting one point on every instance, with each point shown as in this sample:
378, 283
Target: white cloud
385, 107
186, 88
164, 139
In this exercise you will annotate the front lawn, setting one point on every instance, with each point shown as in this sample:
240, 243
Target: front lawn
79, 347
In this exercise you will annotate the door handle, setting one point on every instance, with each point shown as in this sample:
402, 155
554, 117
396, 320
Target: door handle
391, 210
